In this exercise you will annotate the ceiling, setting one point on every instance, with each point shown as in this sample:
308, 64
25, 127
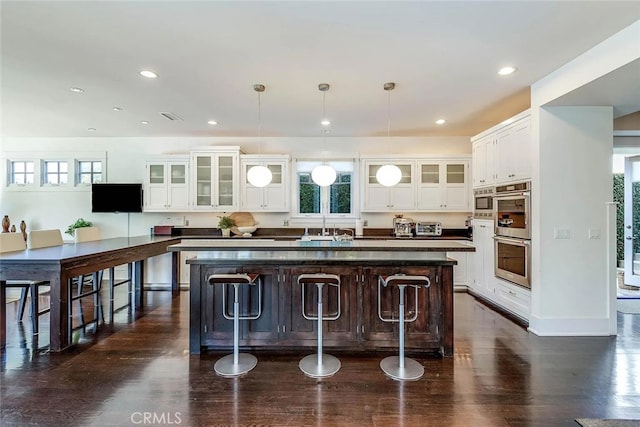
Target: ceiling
443, 57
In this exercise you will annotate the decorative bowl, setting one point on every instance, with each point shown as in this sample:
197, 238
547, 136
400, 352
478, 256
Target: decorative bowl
247, 230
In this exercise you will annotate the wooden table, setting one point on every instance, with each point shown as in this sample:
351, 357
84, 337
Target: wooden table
358, 264
59, 264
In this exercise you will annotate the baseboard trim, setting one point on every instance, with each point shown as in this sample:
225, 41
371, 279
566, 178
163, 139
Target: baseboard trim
569, 327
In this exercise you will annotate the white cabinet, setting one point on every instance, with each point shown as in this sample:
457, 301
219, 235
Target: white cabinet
443, 185
484, 281
483, 161
378, 198
460, 277
502, 154
514, 298
166, 186
513, 160
215, 182
274, 197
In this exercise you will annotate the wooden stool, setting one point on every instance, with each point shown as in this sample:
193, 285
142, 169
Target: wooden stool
319, 365
400, 367
236, 364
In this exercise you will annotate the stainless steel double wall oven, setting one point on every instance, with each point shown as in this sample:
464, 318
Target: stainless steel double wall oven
512, 217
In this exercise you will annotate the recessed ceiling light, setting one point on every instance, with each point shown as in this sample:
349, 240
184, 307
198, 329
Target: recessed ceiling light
212, 122
76, 89
91, 129
144, 122
117, 108
505, 71
148, 74
441, 121
325, 122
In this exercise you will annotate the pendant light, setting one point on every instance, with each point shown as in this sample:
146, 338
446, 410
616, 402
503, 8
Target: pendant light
259, 176
323, 175
389, 174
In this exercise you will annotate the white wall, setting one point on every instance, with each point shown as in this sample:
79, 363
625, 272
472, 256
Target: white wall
572, 157
574, 184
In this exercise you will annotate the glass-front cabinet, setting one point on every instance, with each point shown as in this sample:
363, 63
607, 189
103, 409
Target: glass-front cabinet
167, 185
443, 185
378, 198
273, 197
215, 180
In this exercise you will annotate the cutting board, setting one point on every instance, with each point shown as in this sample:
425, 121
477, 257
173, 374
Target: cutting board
242, 219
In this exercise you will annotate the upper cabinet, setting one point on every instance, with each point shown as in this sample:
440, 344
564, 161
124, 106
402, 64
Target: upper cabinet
502, 154
513, 161
275, 196
443, 185
215, 182
378, 198
167, 185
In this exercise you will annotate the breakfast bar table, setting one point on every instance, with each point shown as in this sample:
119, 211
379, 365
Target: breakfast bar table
59, 264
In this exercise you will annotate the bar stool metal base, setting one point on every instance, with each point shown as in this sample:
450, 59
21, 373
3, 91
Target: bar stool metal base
309, 365
412, 369
226, 368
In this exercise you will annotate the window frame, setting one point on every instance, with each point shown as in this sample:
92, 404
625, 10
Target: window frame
44, 176
10, 175
78, 172
313, 218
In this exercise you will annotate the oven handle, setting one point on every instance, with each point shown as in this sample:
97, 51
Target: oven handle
510, 196
517, 242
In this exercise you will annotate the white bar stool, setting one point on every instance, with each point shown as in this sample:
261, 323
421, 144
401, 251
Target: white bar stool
236, 364
400, 367
319, 365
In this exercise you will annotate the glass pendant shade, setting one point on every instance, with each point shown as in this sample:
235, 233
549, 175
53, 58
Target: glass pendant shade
259, 176
323, 175
389, 175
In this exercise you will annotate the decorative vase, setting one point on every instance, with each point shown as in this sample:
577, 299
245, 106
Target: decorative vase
13, 228
226, 232
5, 224
23, 229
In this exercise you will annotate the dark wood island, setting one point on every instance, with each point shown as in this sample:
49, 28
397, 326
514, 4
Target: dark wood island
359, 265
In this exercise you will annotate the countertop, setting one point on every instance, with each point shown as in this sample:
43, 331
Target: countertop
391, 245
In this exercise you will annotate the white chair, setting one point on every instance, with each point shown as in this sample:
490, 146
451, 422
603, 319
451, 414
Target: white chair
86, 234
14, 242
44, 239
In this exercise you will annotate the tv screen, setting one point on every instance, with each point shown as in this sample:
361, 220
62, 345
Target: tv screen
116, 198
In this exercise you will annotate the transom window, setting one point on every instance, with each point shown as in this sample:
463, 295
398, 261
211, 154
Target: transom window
89, 172
335, 199
22, 172
55, 172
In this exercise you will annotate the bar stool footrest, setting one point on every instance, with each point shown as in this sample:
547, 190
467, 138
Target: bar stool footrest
412, 369
226, 368
309, 365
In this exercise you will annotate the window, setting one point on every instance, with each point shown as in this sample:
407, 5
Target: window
22, 172
336, 199
55, 172
89, 172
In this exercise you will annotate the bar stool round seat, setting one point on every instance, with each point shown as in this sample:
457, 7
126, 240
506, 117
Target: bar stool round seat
319, 365
236, 364
399, 367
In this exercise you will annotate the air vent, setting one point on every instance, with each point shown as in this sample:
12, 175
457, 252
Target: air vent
170, 116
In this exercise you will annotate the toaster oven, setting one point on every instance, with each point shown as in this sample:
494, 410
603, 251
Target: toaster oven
428, 229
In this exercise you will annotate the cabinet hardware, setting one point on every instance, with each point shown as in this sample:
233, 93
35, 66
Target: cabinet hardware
284, 328
512, 293
278, 328
437, 278
205, 329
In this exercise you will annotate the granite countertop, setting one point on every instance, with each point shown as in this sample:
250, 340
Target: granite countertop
391, 245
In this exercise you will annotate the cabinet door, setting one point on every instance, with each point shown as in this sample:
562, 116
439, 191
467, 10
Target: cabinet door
300, 331
443, 185
156, 195
430, 186
522, 143
226, 171
217, 330
484, 258
460, 269
178, 186
380, 301
204, 181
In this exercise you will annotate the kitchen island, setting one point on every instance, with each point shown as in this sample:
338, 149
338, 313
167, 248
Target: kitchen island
359, 264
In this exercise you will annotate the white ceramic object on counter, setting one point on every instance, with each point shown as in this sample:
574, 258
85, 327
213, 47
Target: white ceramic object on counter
247, 230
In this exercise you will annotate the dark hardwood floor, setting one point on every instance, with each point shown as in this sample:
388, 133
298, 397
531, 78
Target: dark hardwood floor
140, 373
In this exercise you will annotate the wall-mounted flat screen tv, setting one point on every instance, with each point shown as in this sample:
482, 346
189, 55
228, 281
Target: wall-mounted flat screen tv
116, 197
